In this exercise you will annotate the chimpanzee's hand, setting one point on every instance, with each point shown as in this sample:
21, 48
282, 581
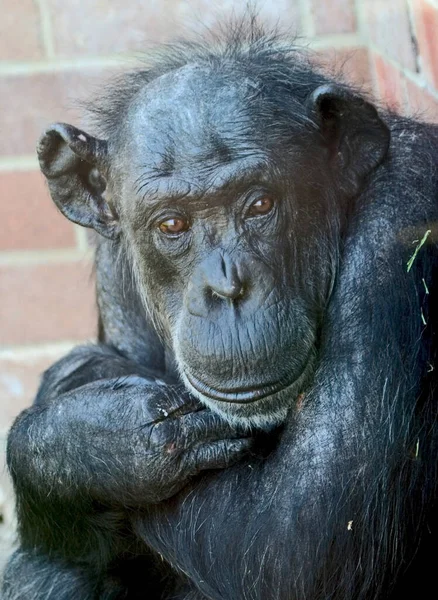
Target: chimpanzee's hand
169, 437
126, 441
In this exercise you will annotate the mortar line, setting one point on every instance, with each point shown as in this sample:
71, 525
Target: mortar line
46, 28
421, 83
24, 258
132, 62
336, 41
71, 64
307, 21
413, 35
362, 29
19, 163
29, 351
81, 239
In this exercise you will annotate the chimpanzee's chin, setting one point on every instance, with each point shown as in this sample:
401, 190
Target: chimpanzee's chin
261, 406
264, 413
239, 394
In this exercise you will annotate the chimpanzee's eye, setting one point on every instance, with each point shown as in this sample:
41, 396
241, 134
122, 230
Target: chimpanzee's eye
261, 206
173, 226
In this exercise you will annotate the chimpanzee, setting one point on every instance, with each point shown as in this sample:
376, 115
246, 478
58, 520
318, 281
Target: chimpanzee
258, 419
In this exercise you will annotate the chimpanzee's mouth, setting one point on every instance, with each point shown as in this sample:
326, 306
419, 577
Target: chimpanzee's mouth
241, 395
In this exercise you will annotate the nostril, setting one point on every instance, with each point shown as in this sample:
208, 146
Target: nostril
224, 266
233, 293
217, 297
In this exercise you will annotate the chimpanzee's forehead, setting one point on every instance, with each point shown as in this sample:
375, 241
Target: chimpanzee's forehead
192, 115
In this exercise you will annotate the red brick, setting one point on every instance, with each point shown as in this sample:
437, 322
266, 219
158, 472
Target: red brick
29, 218
28, 103
100, 27
389, 29
105, 27
48, 302
336, 16
20, 33
426, 29
421, 104
19, 380
352, 64
390, 84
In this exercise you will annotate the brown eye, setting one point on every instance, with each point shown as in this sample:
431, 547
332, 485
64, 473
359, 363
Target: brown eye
261, 206
173, 226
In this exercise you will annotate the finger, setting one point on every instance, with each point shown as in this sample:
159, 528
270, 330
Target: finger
218, 455
206, 426
156, 399
175, 401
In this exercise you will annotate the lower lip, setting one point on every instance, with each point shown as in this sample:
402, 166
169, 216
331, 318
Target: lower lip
238, 396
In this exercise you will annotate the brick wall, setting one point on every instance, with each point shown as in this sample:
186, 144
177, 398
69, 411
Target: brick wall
54, 52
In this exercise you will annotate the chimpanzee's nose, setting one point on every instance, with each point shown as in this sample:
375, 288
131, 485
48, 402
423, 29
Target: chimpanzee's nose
222, 278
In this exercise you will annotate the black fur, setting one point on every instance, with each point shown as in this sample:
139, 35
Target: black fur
338, 500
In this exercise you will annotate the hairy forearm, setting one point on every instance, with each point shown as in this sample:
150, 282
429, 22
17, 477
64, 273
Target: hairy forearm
109, 445
63, 441
86, 364
64, 449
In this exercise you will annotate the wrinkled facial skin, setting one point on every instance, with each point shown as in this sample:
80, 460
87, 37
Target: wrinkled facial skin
223, 231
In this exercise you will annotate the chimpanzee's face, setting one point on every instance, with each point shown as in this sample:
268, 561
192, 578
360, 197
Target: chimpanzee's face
223, 243
227, 190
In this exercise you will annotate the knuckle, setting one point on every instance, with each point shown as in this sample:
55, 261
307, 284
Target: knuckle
202, 421
234, 449
128, 381
213, 454
162, 434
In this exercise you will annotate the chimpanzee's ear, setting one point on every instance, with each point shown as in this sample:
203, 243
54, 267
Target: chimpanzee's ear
357, 138
74, 164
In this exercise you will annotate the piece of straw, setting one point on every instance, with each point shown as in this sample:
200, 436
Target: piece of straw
414, 256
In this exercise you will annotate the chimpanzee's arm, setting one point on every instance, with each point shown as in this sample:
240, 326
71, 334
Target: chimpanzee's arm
92, 441
94, 444
334, 511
